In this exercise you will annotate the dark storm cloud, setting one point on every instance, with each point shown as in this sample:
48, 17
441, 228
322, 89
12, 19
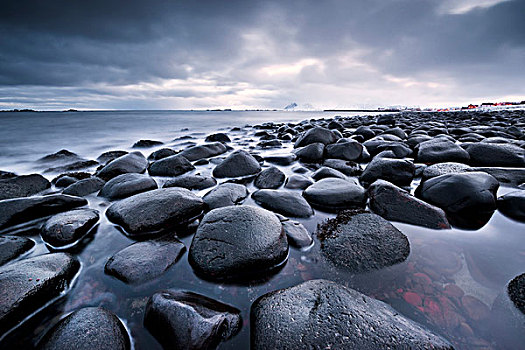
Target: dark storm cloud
258, 52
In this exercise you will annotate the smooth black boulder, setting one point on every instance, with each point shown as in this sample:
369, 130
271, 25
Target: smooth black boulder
107, 157
333, 194
155, 211
22, 186
439, 151
506, 176
11, 247
237, 164
298, 235
344, 149
296, 181
358, 241
187, 320
396, 204
20, 210
62, 156
144, 261
320, 314
270, 178
496, 155
512, 205
312, 153
324, 172
347, 167
204, 151
130, 163
218, 137
225, 195
87, 329
161, 153
127, 185
84, 187
238, 242
281, 159
29, 284
191, 182
170, 166
316, 134
146, 144
64, 229
398, 171
283, 202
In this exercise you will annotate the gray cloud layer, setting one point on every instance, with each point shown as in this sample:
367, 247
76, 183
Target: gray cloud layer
199, 54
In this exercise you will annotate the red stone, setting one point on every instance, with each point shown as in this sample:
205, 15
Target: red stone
413, 298
453, 291
474, 308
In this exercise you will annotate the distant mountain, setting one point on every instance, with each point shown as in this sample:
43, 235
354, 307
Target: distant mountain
303, 107
291, 106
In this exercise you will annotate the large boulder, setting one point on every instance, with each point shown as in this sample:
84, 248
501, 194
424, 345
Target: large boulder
130, 163
170, 166
191, 182
86, 329
298, 235
84, 187
346, 149
186, 320
347, 167
512, 205
271, 178
396, 204
29, 284
320, 314
506, 176
398, 171
312, 153
316, 134
283, 202
155, 211
22, 186
20, 210
11, 247
357, 241
296, 181
64, 229
238, 242
204, 151
443, 168
496, 155
144, 261
225, 195
333, 194
218, 137
237, 164
126, 185
440, 150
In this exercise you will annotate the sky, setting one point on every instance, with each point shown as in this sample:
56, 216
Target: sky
105, 54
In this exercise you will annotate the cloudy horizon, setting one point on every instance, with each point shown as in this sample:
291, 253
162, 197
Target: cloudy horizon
260, 54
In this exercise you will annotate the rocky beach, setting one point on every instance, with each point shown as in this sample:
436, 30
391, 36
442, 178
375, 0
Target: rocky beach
400, 230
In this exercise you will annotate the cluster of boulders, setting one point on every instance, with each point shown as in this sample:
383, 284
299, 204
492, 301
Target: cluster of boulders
290, 171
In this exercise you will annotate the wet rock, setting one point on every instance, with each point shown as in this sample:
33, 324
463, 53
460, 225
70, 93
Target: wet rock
455, 193
79, 165
144, 261
170, 166
348, 168
332, 194
396, 204
29, 284
238, 241
512, 205
62, 156
237, 164
299, 169
271, 178
204, 151
516, 292
127, 185
325, 172
79, 175
64, 229
6, 174
22, 186
11, 247
283, 202
107, 157
191, 182
225, 195
161, 153
508, 314
441, 150
270, 144
146, 144
20, 210
443, 169
316, 134
160, 210
398, 171
346, 149
474, 308
360, 241
130, 163
84, 187
65, 181
86, 329
186, 320
218, 137
281, 159
386, 119
296, 181
496, 155
506, 176
298, 235
365, 131
312, 153
321, 314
